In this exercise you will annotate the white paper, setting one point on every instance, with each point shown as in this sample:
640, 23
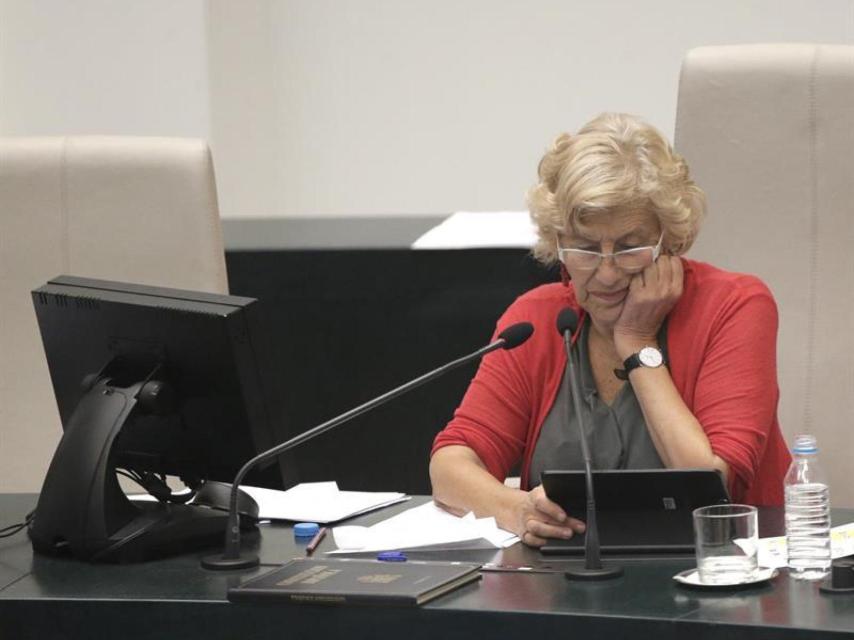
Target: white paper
320, 502
480, 229
773, 552
421, 526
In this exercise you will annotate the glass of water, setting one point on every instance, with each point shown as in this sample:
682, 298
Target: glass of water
726, 538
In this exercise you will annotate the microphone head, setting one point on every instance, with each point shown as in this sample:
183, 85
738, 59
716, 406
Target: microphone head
516, 334
567, 320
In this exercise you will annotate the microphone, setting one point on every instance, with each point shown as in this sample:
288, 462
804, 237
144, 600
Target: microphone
510, 338
593, 569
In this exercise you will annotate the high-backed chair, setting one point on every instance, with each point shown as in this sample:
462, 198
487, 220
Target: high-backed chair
768, 131
140, 210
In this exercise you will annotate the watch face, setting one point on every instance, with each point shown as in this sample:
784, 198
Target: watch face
650, 357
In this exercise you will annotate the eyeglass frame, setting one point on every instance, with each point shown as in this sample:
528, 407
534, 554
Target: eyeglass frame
656, 251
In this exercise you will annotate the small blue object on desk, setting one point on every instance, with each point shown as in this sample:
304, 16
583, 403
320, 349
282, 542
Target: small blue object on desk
306, 529
391, 556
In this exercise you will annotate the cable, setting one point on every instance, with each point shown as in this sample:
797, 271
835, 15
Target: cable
155, 484
12, 529
132, 475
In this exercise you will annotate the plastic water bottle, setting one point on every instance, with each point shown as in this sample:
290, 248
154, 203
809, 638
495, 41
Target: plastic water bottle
807, 513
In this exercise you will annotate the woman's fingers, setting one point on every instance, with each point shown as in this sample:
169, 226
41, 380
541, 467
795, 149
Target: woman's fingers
551, 510
543, 519
533, 540
577, 525
677, 278
537, 529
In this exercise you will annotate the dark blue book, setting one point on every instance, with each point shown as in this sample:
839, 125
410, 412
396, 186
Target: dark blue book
352, 581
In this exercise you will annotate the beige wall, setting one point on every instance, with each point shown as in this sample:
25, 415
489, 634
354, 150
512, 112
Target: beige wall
100, 66
345, 107
381, 107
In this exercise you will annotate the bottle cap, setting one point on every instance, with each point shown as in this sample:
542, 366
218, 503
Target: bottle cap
805, 443
391, 556
306, 529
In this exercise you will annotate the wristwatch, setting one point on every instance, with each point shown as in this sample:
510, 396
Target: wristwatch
647, 357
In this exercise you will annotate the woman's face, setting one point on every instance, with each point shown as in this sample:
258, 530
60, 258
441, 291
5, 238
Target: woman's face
602, 291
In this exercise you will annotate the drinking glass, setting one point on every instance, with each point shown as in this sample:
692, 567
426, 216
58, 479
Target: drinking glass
726, 537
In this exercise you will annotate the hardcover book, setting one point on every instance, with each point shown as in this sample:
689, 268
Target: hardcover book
351, 581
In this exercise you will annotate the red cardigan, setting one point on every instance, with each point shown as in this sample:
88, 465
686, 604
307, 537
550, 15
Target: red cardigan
721, 342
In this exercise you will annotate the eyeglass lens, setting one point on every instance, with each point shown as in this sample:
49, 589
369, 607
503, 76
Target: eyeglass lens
628, 260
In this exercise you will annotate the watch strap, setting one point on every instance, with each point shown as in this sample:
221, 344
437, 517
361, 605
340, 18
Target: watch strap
634, 361
629, 364
661, 338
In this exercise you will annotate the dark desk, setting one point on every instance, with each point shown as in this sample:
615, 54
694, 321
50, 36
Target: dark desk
52, 598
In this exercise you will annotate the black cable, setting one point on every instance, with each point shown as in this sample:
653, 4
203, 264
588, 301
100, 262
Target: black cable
12, 529
132, 475
155, 484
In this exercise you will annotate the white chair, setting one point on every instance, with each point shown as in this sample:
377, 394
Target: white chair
140, 210
768, 131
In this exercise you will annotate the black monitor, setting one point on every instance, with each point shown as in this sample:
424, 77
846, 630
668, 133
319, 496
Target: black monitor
151, 381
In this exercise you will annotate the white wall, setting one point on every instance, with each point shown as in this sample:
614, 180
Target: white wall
101, 66
345, 107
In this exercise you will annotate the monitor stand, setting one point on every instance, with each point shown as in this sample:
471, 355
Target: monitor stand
82, 508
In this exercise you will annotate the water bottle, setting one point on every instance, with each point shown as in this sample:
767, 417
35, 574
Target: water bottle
807, 513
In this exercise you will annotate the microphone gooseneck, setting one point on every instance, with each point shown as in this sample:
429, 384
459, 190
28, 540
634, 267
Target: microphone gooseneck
231, 558
593, 569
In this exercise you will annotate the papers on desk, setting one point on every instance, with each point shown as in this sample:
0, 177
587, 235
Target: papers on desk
480, 229
320, 502
425, 525
773, 552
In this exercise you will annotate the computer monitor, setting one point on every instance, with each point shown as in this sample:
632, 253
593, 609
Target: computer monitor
152, 381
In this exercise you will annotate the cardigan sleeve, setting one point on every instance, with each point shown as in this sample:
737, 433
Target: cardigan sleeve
736, 393
495, 412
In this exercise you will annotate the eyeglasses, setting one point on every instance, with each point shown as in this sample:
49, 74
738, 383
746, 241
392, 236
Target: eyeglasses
630, 260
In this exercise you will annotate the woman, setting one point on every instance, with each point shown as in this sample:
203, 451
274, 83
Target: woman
678, 364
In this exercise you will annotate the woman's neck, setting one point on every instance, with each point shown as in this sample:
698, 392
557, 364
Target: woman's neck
601, 339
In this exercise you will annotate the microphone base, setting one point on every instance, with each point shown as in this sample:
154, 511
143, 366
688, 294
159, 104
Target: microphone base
219, 562
582, 573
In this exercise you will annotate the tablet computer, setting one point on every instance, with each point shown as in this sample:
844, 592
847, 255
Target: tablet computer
638, 510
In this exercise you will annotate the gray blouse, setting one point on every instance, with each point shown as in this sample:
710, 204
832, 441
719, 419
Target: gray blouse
617, 434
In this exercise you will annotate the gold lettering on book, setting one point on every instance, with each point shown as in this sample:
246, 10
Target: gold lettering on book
312, 575
321, 576
379, 578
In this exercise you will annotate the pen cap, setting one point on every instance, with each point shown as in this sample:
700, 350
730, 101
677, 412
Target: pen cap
306, 529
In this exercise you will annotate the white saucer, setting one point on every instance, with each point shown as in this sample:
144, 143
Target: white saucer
691, 578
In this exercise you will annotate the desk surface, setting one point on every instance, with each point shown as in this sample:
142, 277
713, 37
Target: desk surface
44, 597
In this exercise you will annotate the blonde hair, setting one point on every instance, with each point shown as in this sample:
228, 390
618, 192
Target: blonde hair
615, 163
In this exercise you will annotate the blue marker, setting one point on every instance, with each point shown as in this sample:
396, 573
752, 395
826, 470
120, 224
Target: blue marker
391, 556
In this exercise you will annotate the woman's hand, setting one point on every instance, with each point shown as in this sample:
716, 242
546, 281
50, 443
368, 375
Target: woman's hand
536, 518
652, 294
461, 483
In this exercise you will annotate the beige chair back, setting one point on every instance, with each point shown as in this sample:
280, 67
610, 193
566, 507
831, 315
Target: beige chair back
768, 131
140, 210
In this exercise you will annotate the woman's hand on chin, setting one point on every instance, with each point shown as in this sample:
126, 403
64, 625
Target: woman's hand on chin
652, 294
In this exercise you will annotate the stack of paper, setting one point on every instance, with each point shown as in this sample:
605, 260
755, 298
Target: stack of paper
773, 552
480, 229
422, 526
320, 502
